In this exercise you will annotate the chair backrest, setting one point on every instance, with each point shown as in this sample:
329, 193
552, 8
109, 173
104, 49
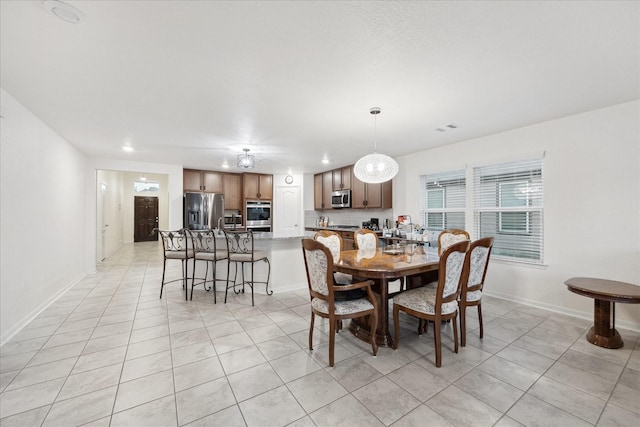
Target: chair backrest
203, 240
174, 240
478, 260
450, 276
331, 240
239, 242
318, 263
448, 237
365, 239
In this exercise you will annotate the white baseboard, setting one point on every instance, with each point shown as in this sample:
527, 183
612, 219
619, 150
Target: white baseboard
562, 310
42, 307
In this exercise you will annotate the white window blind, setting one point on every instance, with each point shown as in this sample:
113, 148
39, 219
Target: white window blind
442, 200
508, 206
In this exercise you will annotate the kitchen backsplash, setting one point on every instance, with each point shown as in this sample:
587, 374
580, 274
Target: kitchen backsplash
347, 216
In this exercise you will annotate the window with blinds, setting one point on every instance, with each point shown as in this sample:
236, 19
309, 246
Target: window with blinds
442, 200
508, 206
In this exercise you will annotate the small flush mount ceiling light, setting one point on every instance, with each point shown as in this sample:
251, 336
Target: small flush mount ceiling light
246, 160
375, 167
127, 148
325, 161
64, 11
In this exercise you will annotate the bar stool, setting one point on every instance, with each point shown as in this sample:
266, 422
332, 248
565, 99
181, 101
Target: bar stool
240, 250
205, 249
175, 246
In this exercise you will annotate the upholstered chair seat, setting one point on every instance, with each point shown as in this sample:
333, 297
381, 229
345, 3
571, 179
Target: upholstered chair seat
436, 303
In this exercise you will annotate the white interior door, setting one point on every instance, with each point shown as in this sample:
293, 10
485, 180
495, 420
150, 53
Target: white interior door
288, 211
102, 226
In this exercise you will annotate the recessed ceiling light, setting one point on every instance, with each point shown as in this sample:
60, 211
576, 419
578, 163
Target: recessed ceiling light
225, 165
63, 11
325, 161
127, 148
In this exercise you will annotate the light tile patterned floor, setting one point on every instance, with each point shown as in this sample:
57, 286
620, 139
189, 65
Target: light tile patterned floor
111, 353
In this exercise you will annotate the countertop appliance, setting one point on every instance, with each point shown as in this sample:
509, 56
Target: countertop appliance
341, 199
258, 215
203, 210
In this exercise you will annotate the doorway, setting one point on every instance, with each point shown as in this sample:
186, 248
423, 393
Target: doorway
145, 219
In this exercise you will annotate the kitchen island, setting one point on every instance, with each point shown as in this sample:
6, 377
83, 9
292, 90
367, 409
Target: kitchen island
285, 256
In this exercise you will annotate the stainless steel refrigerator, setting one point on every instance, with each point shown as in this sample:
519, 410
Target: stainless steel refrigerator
203, 210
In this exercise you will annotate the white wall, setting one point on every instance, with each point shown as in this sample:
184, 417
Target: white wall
591, 201
42, 215
174, 197
109, 205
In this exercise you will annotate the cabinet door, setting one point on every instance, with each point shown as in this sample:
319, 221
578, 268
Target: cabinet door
348, 242
358, 193
373, 195
212, 182
192, 180
250, 185
327, 188
231, 185
337, 179
317, 191
346, 178
387, 195
265, 188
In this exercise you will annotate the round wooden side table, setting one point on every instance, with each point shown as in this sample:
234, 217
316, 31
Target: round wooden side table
605, 294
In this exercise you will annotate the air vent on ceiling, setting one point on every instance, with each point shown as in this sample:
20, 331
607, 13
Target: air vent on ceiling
450, 126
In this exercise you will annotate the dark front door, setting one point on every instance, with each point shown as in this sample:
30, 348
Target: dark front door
145, 219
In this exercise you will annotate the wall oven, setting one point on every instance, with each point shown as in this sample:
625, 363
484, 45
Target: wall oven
258, 215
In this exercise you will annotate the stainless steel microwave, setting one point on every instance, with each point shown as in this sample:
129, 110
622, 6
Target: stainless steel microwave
341, 199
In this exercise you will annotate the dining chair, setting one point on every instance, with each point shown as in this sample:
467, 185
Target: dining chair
333, 241
205, 249
368, 239
438, 303
365, 238
471, 289
448, 237
240, 251
318, 262
175, 245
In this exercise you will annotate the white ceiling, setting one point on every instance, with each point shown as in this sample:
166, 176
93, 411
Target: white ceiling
193, 82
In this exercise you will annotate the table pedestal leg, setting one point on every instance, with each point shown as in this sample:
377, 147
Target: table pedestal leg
602, 333
360, 327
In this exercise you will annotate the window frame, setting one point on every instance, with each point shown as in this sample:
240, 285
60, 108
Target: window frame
457, 178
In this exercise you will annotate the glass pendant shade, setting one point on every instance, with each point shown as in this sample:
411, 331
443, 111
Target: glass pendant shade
375, 167
246, 160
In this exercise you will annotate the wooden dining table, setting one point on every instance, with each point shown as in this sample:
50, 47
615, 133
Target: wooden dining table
383, 265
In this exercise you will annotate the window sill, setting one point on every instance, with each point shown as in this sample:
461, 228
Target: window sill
518, 263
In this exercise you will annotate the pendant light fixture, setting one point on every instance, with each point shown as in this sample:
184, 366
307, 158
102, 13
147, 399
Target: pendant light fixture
246, 160
374, 168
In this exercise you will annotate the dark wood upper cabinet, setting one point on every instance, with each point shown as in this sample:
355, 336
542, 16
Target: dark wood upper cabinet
199, 180
362, 195
257, 186
342, 178
371, 195
192, 180
318, 194
232, 189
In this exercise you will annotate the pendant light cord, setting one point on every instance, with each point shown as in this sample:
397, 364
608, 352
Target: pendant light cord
375, 111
